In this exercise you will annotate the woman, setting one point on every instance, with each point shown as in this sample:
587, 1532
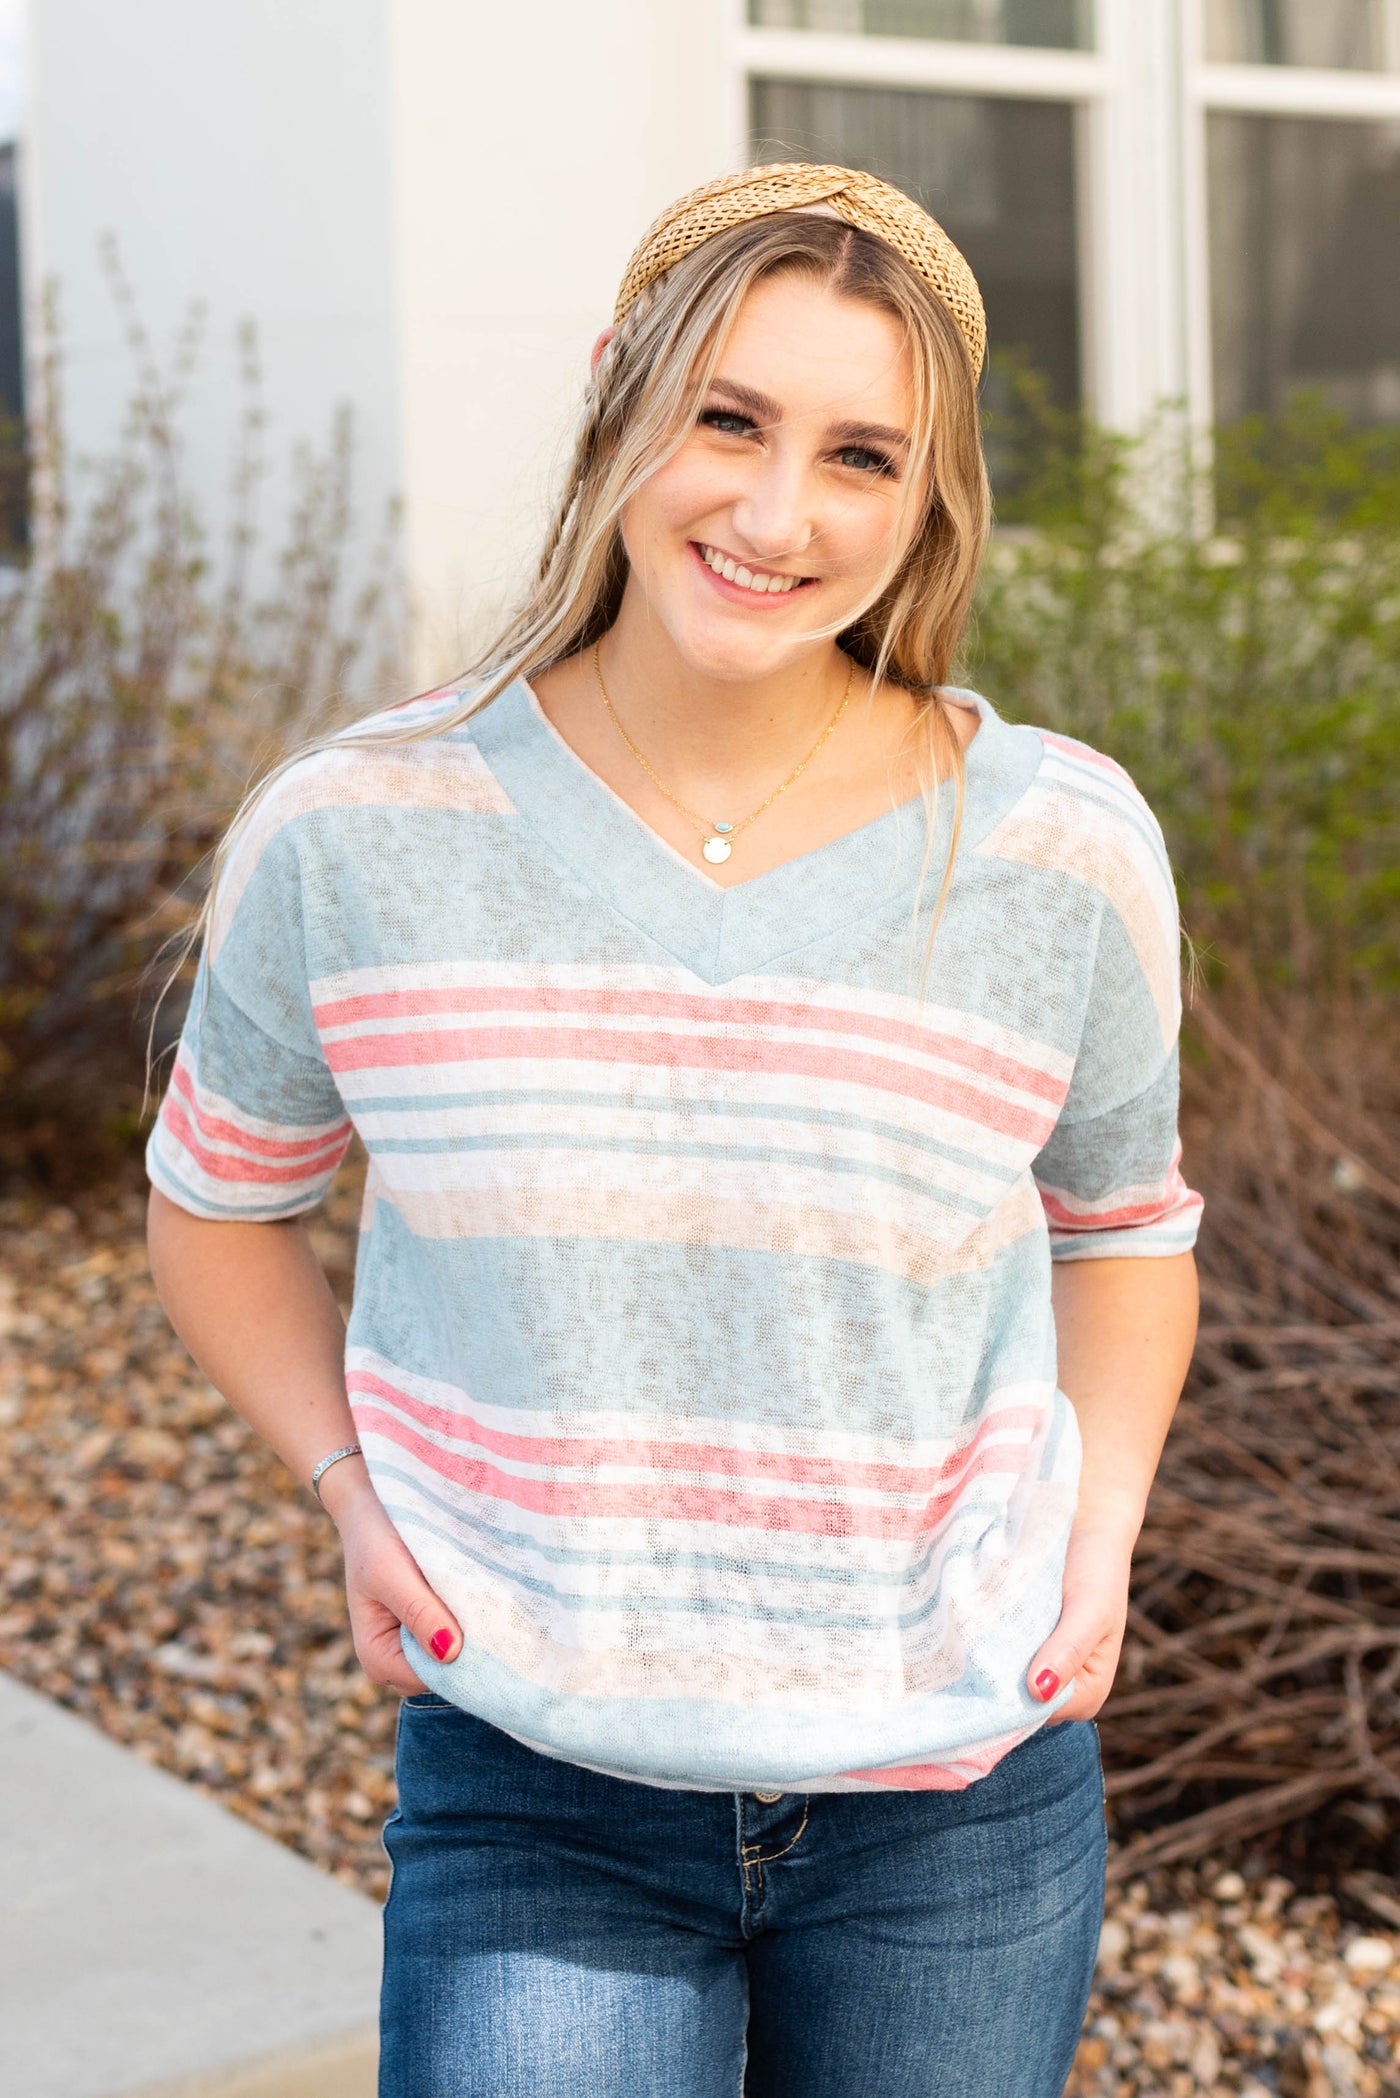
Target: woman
751, 1035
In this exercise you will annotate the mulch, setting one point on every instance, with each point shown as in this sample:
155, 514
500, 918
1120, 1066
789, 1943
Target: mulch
160, 1571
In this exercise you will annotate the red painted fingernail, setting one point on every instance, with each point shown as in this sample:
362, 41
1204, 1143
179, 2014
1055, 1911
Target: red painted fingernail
1046, 1684
442, 1640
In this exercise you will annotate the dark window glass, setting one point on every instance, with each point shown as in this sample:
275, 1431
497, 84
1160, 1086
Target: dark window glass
11, 361
1305, 263
14, 468
1054, 24
1345, 33
999, 175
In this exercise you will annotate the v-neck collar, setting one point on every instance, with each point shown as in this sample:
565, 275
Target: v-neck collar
719, 933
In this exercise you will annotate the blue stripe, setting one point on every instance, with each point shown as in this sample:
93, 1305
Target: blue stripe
747, 1570
641, 1103
712, 1155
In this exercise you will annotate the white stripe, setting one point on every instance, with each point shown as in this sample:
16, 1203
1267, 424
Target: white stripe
772, 1092
634, 1126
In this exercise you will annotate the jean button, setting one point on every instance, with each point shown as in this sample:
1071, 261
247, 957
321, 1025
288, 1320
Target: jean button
767, 1799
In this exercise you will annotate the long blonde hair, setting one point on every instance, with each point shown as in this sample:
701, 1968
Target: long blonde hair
643, 398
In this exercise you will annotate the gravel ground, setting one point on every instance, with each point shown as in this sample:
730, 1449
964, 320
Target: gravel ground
161, 1573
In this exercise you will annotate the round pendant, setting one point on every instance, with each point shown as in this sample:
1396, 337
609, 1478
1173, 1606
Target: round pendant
716, 850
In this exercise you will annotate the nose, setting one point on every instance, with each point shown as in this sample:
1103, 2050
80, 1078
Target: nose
776, 515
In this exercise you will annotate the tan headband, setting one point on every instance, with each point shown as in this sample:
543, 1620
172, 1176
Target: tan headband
861, 200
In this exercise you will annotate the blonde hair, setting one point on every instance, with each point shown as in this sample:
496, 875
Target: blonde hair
643, 398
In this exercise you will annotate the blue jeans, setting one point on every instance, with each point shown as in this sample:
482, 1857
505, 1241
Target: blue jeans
551, 1933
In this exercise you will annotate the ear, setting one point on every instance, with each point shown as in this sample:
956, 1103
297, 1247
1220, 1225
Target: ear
599, 346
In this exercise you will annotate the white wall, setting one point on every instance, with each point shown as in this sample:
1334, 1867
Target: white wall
534, 144
425, 205
12, 66
239, 151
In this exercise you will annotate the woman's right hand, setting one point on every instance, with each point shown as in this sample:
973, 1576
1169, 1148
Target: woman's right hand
384, 1584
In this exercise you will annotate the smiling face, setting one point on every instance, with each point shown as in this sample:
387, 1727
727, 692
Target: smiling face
780, 512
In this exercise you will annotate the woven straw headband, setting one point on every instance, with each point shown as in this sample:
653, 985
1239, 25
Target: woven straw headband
861, 200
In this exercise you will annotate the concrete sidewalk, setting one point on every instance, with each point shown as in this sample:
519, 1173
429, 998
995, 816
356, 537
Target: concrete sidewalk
152, 1944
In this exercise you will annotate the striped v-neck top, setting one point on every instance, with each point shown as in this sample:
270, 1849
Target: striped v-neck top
702, 1349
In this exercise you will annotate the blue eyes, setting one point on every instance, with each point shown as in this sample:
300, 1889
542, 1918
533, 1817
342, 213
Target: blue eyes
857, 458
864, 461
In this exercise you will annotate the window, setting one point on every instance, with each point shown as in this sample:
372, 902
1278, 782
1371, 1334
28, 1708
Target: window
1051, 24
11, 358
997, 173
1304, 262
1351, 35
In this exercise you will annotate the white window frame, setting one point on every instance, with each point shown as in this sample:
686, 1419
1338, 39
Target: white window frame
1141, 98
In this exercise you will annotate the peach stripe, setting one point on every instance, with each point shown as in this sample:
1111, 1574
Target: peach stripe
812, 1233
503, 1627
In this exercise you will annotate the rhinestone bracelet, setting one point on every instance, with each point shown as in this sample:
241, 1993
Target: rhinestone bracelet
351, 1449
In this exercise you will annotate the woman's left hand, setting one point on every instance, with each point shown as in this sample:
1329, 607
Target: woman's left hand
1086, 1642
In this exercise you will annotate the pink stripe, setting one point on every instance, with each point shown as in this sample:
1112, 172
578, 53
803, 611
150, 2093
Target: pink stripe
696, 1052
219, 1166
678, 1005
220, 1131
1083, 756
573, 1452
941, 1777
678, 1503
1175, 1199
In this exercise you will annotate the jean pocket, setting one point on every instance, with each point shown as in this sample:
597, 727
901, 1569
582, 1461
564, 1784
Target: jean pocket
429, 1701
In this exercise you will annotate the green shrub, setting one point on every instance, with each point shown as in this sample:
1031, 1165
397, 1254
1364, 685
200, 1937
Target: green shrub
1248, 674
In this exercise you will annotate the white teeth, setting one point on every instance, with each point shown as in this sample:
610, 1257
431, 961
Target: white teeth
734, 572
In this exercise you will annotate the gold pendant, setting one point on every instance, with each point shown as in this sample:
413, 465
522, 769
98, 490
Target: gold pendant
716, 850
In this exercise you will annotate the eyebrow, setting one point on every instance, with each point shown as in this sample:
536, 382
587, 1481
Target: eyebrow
764, 409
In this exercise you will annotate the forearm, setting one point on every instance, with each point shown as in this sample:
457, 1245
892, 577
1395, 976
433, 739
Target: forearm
1125, 1331
252, 1305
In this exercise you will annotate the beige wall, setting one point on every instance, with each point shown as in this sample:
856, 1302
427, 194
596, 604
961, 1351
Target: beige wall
532, 145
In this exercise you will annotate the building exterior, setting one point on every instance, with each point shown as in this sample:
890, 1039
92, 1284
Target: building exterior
425, 206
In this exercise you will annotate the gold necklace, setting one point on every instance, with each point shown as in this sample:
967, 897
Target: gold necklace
717, 839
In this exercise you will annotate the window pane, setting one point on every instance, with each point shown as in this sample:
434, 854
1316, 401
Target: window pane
1305, 263
1056, 24
1345, 33
999, 175
11, 359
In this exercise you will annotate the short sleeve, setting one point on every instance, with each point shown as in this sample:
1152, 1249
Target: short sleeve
1110, 1175
252, 1126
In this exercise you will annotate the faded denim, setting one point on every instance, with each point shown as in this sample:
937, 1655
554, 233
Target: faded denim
552, 1933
